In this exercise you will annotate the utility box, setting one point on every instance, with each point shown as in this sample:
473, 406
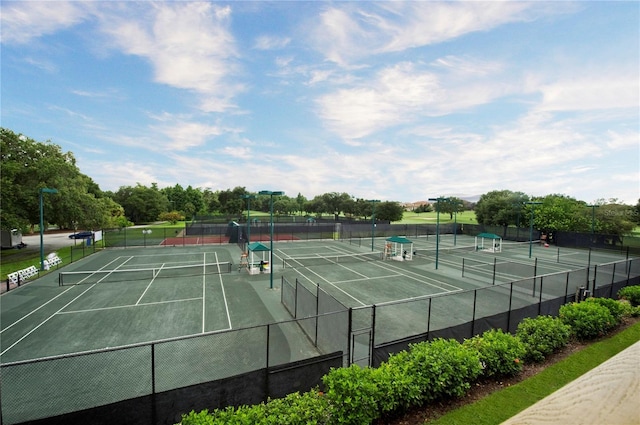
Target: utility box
11, 239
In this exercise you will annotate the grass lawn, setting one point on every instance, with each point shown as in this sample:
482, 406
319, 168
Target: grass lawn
409, 217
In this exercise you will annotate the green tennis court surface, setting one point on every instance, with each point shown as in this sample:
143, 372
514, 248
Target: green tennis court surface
201, 304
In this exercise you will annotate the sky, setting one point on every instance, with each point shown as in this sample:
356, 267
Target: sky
397, 101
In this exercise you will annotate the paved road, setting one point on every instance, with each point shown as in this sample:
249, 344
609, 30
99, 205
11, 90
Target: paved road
52, 241
606, 395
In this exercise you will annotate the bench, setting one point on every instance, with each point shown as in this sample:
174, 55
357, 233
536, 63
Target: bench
51, 261
27, 273
13, 278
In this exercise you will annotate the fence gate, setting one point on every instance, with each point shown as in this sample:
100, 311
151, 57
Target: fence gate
361, 336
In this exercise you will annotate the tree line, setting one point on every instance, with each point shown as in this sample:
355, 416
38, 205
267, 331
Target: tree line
29, 165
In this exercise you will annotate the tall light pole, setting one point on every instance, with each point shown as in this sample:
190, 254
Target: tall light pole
437, 201
456, 205
43, 190
271, 193
373, 220
533, 212
248, 197
593, 219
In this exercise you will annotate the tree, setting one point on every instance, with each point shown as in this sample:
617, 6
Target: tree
391, 211
500, 208
28, 166
172, 217
210, 201
142, 204
453, 205
560, 213
337, 203
316, 206
232, 201
611, 218
300, 202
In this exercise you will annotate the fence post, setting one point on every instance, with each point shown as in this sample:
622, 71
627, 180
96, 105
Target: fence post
373, 334
493, 282
540, 298
473, 316
510, 304
153, 383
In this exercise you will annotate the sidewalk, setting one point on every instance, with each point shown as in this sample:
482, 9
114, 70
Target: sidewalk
607, 395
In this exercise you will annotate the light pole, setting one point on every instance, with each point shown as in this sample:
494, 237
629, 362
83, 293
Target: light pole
43, 190
456, 205
438, 200
373, 220
593, 219
271, 193
533, 212
248, 197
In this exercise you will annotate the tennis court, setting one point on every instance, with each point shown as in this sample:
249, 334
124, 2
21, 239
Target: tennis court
206, 315
122, 297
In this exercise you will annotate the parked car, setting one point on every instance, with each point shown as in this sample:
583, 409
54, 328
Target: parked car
81, 235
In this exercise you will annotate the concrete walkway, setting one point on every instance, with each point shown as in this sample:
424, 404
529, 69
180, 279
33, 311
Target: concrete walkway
606, 395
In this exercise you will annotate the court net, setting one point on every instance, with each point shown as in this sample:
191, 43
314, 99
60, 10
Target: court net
143, 274
322, 260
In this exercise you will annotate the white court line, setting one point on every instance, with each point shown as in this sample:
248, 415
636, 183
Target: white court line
204, 280
62, 308
425, 280
149, 285
224, 297
429, 281
332, 284
128, 306
52, 299
369, 278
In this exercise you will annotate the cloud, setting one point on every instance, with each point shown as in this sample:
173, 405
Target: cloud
601, 90
181, 133
349, 33
409, 91
270, 42
22, 21
188, 44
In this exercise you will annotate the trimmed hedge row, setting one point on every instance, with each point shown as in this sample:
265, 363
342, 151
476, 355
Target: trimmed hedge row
428, 371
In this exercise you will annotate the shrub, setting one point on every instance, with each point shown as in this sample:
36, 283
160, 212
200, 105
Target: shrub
542, 336
500, 353
631, 294
588, 320
310, 407
243, 415
353, 395
199, 418
616, 308
306, 408
436, 369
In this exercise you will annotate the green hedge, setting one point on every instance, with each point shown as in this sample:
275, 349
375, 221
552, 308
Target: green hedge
426, 372
542, 336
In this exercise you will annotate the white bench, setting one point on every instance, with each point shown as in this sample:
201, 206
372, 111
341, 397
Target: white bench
27, 273
13, 278
51, 261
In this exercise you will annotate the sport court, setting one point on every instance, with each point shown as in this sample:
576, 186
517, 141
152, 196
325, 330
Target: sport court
184, 298
138, 295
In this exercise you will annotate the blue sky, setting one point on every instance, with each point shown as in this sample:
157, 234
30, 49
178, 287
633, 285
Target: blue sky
398, 101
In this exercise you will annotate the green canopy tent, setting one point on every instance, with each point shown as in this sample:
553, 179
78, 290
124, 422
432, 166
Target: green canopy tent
256, 264
398, 248
493, 242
